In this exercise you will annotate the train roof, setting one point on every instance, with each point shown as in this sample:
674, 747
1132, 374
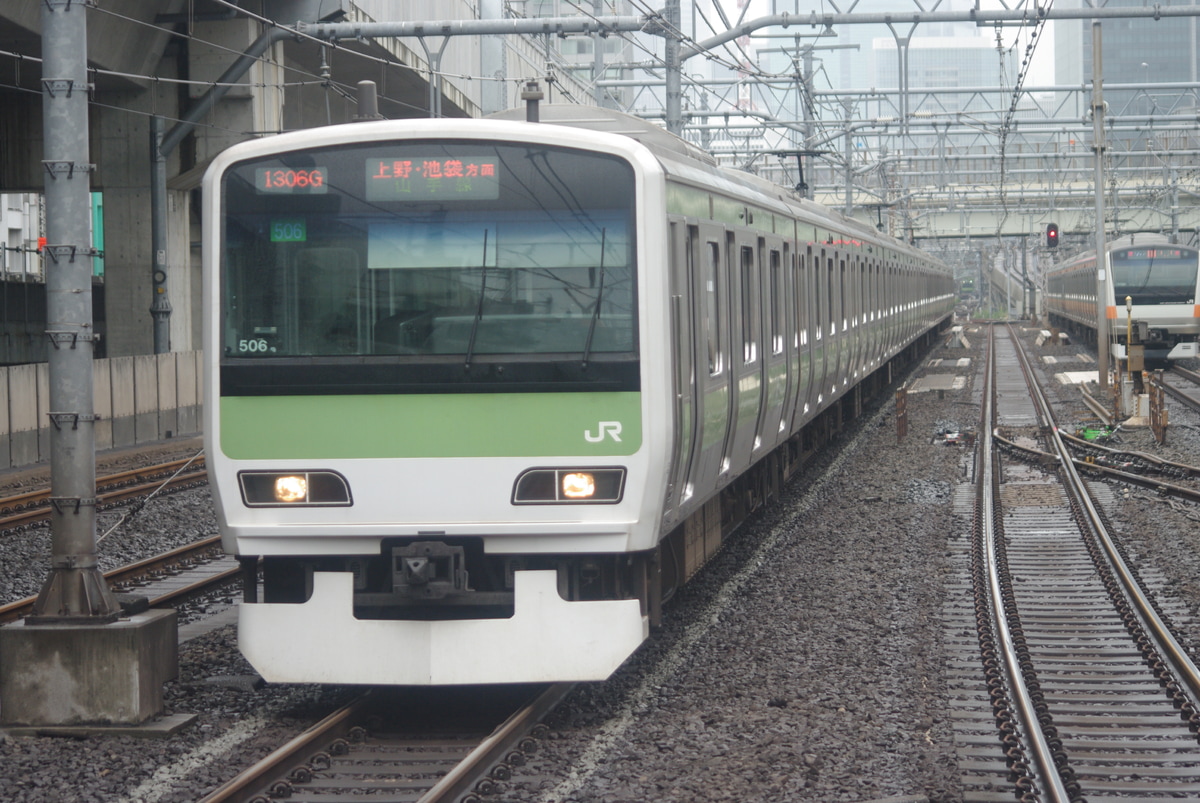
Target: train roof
1124, 241
611, 121
683, 158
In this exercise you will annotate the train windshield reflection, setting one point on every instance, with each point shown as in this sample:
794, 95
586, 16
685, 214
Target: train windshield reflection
1158, 275
406, 250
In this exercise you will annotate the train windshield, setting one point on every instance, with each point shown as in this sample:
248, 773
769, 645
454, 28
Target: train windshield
462, 250
1154, 275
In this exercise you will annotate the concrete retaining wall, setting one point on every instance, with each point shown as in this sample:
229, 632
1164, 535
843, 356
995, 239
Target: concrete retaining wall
138, 400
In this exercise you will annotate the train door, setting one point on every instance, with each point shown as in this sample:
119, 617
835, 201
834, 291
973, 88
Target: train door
774, 359
787, 336
800, 297
853, 331
746, 376
891, 305
833, 330
845, 316
820, 321
685, 347
862, 284
862, 332
709, 284
873, 295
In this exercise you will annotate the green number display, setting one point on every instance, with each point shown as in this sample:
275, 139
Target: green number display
289, 230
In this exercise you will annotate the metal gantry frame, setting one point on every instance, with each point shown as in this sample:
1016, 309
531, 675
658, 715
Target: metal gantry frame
924, 154
969, 171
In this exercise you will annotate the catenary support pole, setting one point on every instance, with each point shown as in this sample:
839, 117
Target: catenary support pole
1102, 278
160, 305
75, 590
673, 70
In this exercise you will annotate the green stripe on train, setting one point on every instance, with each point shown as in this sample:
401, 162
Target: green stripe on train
431, 425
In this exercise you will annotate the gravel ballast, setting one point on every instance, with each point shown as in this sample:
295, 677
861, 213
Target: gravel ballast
804, 663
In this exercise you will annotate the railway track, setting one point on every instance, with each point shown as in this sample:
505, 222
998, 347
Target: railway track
113, 489
1091, 696
166, 580
401, 746
1183, 385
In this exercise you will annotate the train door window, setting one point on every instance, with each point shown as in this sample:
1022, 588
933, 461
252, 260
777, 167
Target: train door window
818, 282
778, 313
831, 311
868, 294
750, 315
868, 302
801, 295
712, 306
877, 303
891, 288
843, 292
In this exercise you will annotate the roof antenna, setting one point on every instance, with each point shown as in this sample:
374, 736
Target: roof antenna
531, 95
368, 103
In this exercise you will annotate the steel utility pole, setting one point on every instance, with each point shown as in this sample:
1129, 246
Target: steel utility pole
1102, 278
673, 69
75, 590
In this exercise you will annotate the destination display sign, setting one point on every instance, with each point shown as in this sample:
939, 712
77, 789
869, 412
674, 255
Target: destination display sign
416, 177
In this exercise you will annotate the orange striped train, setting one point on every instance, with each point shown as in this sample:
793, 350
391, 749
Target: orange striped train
1159, 279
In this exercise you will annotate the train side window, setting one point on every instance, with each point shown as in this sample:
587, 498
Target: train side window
712, 306
777, 310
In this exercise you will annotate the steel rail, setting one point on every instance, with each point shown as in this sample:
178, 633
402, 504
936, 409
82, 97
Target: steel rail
463, 777
1181, 663
1191, 376
1181, 468
13, 611
1039, 748
292, 755
1140, 480
301, 758
34, 506
1189, 401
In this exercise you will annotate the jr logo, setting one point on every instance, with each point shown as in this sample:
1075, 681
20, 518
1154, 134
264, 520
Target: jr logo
605, 429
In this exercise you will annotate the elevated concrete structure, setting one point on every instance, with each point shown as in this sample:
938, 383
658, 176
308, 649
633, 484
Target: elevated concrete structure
160, 57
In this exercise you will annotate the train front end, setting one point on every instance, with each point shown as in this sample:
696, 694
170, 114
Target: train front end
427, 412
1156, 282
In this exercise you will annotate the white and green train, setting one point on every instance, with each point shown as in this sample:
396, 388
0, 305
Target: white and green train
481, 393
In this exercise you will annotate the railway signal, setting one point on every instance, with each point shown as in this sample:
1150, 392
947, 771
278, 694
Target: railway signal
1052, 235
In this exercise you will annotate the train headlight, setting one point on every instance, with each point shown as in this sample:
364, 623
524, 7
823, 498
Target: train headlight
294, 489
558, 486
578, 485
291, 489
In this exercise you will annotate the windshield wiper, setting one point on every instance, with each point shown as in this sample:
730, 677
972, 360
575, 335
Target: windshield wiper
479, 307
587, 345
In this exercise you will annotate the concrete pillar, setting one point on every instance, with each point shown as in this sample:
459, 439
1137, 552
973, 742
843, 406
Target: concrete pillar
58, 675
